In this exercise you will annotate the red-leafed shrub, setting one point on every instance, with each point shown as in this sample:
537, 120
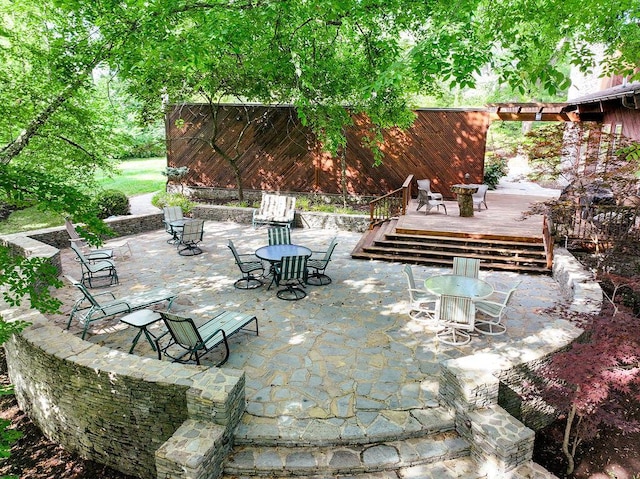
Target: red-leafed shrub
592, 383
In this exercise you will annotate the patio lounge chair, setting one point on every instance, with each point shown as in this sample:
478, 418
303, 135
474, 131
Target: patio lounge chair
188, 342
456, 315
480, 197
469, 267
279, 235
248, 264
121, 246
188, 238
97, 269
422, 303
275, 210
319, 265
490, 322
90, 307
428, 198
292, 271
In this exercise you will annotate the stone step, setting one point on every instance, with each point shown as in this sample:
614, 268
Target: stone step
363, 428
333, 461
460, 468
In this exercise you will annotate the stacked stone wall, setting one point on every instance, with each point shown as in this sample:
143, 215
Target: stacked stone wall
115, 408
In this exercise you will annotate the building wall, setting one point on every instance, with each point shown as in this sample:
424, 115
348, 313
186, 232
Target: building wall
274, 152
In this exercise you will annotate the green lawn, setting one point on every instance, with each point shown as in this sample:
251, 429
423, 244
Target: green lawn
137, 177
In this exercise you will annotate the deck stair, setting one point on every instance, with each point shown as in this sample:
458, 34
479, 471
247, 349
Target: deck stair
496, 252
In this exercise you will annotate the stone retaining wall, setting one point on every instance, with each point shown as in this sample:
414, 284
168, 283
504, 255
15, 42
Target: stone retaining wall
120, 409
303, 219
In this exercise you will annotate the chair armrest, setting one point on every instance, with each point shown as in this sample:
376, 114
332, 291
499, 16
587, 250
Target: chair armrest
102, 293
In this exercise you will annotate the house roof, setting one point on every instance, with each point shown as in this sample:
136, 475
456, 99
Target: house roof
630, 91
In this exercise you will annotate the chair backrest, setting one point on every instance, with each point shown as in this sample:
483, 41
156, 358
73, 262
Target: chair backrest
457, 312
234, 251
469, 267
183, 330
293, 267
508, 294
329, 252
481, 193
424, 185
279, 235
71, 230
409, 274
81, 256
172, 213
85, 292
192, 231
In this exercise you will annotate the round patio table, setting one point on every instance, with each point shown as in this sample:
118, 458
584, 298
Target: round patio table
455, 285
274, 253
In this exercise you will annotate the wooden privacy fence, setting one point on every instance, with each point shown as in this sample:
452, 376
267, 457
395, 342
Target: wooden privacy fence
273, 151
606, 226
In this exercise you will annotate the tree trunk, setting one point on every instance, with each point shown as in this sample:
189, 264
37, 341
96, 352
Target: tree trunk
567, 438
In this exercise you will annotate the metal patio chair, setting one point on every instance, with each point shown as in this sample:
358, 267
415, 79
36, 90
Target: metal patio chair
456, 315
492, 312
188, 342
97, 269
93, 307
292, 272
248, 264
319, 265
422, 303
188, 238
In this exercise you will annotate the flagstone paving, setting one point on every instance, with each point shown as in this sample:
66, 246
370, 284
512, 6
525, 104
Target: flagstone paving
346, 351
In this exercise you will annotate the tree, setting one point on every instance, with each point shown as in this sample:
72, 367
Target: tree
591, 384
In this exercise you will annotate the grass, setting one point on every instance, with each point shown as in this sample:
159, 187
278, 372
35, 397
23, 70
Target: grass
137, 177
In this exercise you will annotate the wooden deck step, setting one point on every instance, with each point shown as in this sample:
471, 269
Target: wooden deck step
499, 252
486, 258
433, 261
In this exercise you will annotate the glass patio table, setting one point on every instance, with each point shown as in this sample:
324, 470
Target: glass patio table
455, 285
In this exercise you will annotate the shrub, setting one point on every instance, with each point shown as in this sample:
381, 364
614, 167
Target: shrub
112, 203
494, 169
162, 199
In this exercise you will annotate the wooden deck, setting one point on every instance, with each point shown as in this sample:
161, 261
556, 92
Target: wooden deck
506, 218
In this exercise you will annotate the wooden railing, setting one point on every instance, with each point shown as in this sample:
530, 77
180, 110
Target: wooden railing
547, 239
391, 205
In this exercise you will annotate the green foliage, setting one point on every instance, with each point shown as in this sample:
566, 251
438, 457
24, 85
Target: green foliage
162, 199
494, 169
112, 203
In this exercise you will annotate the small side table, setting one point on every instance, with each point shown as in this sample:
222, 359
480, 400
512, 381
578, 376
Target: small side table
141, 319
465, 198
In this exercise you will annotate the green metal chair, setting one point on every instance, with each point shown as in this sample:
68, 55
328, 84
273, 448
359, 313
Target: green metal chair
188, 342
95, 269
90, 307
279, 235
319, 265
292, 271
248, 264
189, 237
